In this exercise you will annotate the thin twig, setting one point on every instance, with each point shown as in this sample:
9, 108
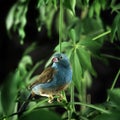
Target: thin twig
101, 35
114, 82
111, 56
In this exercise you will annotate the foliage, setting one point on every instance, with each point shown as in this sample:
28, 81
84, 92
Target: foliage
84, 35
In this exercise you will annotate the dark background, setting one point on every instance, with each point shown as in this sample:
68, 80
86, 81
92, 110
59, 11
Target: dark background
11, 51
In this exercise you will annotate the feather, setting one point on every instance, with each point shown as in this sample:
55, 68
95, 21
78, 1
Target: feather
44, 77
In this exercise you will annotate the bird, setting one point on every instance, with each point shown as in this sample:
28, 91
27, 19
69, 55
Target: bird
52, 80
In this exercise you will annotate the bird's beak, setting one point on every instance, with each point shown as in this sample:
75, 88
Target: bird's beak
55, 59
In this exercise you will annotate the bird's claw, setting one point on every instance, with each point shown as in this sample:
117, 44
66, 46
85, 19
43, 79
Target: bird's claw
50, 99
60, 98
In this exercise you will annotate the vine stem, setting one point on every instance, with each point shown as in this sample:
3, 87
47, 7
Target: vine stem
60, 24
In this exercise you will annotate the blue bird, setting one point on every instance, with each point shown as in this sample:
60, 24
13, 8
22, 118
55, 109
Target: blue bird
53, 79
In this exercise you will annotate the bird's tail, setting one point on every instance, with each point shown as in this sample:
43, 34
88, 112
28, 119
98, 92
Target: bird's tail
25, 104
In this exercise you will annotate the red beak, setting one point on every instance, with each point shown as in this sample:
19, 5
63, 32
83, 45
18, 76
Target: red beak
55, 59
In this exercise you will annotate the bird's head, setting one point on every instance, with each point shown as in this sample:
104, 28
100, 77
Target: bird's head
61, 59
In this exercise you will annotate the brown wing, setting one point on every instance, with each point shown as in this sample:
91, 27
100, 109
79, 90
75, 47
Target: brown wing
45, 76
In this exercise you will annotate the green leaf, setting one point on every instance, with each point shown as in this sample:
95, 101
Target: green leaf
91, 11
24, 65
30, 48
92, 27
115, 97
41, 11
103, 4
85, 59
77, 70
41, 114
115, 27
116, 7
28, 78
70, 5
65, 46
87, 78
92, 46
73, 35
97, 7
16, 19
10, 18
112, 116
9, 94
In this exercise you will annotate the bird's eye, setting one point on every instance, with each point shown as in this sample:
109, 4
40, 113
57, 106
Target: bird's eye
61, 57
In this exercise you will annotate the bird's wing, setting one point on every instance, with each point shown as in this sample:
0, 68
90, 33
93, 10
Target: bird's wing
44, 77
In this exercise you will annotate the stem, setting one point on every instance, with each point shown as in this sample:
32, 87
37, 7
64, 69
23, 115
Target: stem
83, 93
101, 35
110, 56
72, 97
69, 114
92, 106
71, 106
114, 82
60, 24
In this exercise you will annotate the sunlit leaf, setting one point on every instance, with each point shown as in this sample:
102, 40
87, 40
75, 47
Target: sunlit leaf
10, 18
70, 5
97, 7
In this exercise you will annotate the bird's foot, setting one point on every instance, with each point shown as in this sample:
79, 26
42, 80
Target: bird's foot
60, 98
50, 99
